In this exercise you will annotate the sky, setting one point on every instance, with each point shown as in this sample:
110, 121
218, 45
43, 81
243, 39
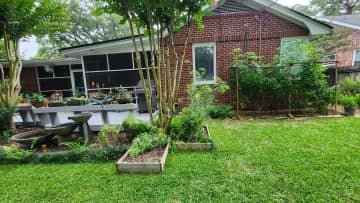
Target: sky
29, 47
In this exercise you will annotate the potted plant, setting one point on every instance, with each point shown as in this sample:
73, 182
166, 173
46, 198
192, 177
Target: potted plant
123, 96
39, 100
78, 101
56, 99
349, 103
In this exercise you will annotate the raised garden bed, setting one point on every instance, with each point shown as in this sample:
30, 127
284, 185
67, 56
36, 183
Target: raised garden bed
149, 162
196, 146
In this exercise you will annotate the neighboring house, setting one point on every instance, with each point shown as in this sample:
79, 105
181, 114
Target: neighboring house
260, 26
347, 57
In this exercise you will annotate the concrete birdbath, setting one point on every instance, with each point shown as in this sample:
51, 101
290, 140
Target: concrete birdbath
32, 137
64, 129
82, 119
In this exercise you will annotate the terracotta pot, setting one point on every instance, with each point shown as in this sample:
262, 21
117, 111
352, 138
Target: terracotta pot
41, 104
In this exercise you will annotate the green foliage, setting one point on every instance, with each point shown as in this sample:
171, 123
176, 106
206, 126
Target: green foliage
137, 127
123, 96
187, 128
348, 101
77, 147
256, 80
146, 142
86, 28
15, 153
37, 97
349, 87
6, 116
107, 130
76, 155
202, 96
78, 101
220, 111
32, 17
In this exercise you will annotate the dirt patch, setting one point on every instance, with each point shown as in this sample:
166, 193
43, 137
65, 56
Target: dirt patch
154, 155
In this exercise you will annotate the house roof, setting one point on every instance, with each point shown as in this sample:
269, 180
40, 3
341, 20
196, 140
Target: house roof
44, 62
124, 44
350, 21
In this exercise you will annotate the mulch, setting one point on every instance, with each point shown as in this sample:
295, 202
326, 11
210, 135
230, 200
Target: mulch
154, 155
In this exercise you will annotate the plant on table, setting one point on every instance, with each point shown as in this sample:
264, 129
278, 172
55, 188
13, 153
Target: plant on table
39, 100
78, 101
123, 96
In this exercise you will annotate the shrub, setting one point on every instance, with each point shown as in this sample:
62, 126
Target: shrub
137, 127
220, 111
348, 101
146, 142
106, 131
15, 155
187, 128
36, 97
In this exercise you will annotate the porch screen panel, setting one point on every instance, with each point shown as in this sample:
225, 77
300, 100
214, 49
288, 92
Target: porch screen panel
121, 61
95, 63
54, 84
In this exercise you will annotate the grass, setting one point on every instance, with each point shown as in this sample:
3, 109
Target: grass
313, 160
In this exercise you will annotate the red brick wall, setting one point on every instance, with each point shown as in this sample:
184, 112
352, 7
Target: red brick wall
29, 80
227, 30
344, 55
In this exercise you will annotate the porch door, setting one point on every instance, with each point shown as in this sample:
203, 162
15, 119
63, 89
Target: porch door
78, 83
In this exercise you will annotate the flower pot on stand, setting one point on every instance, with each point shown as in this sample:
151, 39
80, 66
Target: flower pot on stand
41, 104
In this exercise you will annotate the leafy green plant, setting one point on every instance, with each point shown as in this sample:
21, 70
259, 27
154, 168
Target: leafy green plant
136, 127
146, 142
37, 97
77, 147
259, 86
220, 111
77, 101
13, 152
187, 128
5, 121
123, 96
348, 101
108, 130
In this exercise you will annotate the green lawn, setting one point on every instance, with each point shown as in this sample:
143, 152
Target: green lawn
263, 160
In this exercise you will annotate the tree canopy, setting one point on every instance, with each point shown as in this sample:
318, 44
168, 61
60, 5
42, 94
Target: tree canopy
159, 20
329, 7
21, 19
85, 28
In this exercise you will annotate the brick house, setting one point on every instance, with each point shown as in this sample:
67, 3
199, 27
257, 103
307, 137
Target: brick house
260, 26
347, 57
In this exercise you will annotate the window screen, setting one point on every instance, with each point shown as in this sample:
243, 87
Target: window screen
121, 61
98, 78
204, 63
95, 63
55, 84
76, 67
62, 71
45, 71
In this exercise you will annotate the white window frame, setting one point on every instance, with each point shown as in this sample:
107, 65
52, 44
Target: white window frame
208, 44
354, 56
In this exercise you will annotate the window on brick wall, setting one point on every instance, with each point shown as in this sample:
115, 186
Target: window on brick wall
356, 60
204, 63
